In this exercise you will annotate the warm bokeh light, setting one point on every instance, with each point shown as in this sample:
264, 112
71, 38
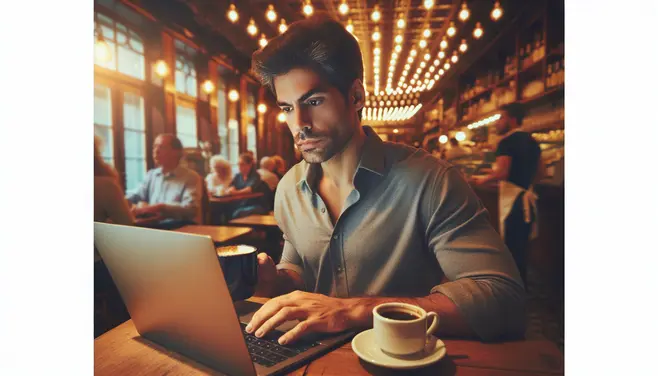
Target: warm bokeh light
376, 14
398, 48
252, 29
102, 51
444, 43
413, 52
477, 32
262, 108
464, 13
452, 30
233, 95
428, 4
270, 14
463, 47
208, 87
263, 40
283, 26
281, 117
497, 11
398, 39
376, 35
350, 27
232, 14
308, 8
427, 57
396, 131
401, 23
161, 68
441, 54
454, 57
460, 136
343, 8
443, 139
422, 43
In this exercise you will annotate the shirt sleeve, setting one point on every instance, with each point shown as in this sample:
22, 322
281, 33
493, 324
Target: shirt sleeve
484, 281
290, 258
189, 206
141, 193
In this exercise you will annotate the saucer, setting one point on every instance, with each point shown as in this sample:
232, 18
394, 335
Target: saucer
366, 348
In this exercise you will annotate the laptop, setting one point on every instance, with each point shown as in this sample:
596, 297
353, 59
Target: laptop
174, 289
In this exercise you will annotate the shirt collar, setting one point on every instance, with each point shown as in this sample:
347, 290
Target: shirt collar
373, 159
158, 171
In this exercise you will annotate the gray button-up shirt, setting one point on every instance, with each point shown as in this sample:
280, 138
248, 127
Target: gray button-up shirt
180, 190
411, 220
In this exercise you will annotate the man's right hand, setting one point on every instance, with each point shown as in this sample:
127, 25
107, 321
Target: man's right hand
267, 276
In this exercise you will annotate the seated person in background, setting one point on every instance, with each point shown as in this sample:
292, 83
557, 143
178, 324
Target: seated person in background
365, 221
247, 181
266, 172
109, 203
171, 193
280, 168
220, 178
455, 151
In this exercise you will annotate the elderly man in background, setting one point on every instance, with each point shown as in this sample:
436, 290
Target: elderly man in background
266, 172
170, 195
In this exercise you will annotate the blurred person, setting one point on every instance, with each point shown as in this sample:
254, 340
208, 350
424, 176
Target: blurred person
170, 195
280, 169
247, 181
266, 172
365, 221
109, 203
455, 151
518, 167
221, 177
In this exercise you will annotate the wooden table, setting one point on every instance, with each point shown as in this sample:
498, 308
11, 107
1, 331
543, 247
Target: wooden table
122, 351
263, 222
219, 234
233, 198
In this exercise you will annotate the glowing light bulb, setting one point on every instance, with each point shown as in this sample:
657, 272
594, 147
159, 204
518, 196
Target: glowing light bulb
376, 14
427, 33
102, 51
398, 48
497, 11
401, 23
252, 29
161, 68
308, 8
270, 14
233, 95
463, 47
454, 57
263, 40
422, 43
376, 35
262, 108
427, 57
398, 39
349, 26
464, 13
428, 4
444, 43
452, 30
208, 87
283, 26
343, 8
281, 117
441, 54
477, 32
443, 139
232, 14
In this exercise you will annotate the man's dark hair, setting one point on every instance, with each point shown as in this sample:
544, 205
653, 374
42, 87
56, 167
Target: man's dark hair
319, 43
514, 111
247, 157
174, 141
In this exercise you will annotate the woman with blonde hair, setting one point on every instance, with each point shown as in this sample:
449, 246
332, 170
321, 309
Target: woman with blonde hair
221, 176
110, 204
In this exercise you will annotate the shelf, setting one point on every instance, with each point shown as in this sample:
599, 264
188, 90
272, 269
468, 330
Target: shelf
534, 69
488, 90
546, 95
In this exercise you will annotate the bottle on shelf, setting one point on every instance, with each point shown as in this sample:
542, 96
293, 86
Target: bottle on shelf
549, 76
528, 52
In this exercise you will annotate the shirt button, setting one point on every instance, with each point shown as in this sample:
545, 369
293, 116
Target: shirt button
339, 269
335, 237
322, 210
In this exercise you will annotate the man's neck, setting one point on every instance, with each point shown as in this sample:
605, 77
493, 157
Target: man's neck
340, 169
168, 168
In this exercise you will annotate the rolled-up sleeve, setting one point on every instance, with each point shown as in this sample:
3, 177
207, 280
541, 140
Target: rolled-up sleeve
290, 258
484, 281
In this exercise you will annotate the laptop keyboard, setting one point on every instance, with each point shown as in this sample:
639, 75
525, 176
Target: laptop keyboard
266, 350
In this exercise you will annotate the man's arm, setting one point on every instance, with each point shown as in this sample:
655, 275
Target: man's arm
190, 202
500, 170
142, 193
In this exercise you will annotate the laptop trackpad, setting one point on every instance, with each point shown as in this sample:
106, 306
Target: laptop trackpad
246, 309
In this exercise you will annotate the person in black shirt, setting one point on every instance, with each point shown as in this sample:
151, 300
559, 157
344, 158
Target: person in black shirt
518, 166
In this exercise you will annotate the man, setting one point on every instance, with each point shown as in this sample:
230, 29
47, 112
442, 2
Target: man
365, 221
266, 172
518, 166
170, 194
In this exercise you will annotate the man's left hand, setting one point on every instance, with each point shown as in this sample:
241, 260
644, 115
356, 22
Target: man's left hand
316, 312
149, 210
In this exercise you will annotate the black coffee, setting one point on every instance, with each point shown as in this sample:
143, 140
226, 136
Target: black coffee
399, 315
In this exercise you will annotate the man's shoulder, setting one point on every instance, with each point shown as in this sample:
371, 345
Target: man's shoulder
293, 176
188, 174
412, 163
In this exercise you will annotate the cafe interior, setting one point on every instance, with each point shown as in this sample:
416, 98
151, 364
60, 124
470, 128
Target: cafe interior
437, 74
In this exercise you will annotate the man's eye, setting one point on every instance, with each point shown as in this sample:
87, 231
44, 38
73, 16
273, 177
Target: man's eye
315, 102
286, 109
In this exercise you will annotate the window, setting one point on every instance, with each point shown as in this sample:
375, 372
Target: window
126, 48
185, 70
186, 126
134, 139
222, 118
233, 143
103, 121
251, 127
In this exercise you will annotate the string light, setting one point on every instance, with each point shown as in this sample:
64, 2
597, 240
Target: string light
271, 14
161, 68
446, 66
477, 32
398, 48
452, 30
343, 8
376, 14
464, 13
232, 14
441, 54
497, 11
463, 47
308, 8
102, 52
437, 62
263, 40
398, 39
283, 26
428, 4
349, 26
413, 53
281, 117
427, 57
233, 95
252, 29
444, 43
454, 57
262, 108
422, 43
376, 35
401, 23
427, 33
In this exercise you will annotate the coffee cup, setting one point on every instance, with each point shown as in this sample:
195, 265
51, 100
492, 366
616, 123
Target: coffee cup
402, 329
240, 267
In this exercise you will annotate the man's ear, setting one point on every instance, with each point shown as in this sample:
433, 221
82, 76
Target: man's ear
357, 96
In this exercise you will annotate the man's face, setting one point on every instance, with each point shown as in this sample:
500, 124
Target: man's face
320, 120
503, 124
164, 153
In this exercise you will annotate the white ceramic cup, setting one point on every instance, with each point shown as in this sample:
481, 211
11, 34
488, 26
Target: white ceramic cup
403, 336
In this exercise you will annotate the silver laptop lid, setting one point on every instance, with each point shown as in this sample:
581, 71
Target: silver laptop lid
174, 289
